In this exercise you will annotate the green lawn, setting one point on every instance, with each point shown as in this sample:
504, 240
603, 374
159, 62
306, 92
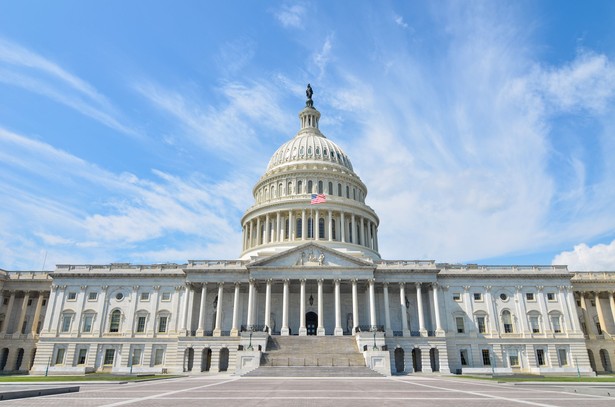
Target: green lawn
596, 379
88, 377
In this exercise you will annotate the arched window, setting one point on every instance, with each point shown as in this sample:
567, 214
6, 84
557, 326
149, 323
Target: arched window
347, 192
289, 190
286, 229
299, 229
280, 189
333, 231
330, 188
339, 189
114, 324
321, 228
320, 191
309, 151
309, 191
507, 322
354, 194
299, 187
310, 228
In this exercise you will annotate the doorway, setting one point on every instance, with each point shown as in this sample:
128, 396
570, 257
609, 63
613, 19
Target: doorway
206, 360
188, 359
399, 360
311, 323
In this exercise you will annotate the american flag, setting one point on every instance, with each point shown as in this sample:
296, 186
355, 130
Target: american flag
318, 198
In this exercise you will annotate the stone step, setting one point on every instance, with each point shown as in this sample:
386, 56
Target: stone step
312, 360
322, 371
312, 351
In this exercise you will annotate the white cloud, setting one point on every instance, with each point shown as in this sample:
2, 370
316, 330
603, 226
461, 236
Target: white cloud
399, 20
321, 58
291, 16
600, 257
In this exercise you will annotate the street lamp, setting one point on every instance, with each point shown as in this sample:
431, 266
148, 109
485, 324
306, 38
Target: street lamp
375, 347
250, 343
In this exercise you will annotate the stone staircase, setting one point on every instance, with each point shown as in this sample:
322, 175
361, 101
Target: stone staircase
313, 356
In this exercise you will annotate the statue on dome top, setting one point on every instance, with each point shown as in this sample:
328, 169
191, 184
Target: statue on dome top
309, 92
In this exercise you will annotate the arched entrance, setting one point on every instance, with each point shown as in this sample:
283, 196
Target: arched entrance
311, 323
592, 361
434, 357
19, 360
223, 366
606, 361
4, 355
399, 360
188, 359
206, 360
416, 360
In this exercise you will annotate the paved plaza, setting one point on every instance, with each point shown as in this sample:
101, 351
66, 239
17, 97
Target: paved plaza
392, 391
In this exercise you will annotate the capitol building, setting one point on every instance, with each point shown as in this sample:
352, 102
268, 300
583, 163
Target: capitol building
309, 290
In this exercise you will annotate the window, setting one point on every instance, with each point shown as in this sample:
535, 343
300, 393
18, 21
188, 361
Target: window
563, 357
136, 356
321, 228
145, 296
109, 356
299, 228
60, 356
29, 303
119, 296
310, 184
530, 296
114, 325
347, 191
92, 296
504, 297
44, 302
457, 297
551, 297
82, 356
486, 357
459, 323
534, 324
88, 319
339, 189
330, 188
166, 296
162, 324
320, 187
478, 296
540, 357
598, 326
480, 321
72, 296
66, 321
514, 359
593, 303
507, 321
159, 356
463, 355
299, 187
141, 323
555, 322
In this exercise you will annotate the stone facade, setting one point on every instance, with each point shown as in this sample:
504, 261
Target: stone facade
309, 265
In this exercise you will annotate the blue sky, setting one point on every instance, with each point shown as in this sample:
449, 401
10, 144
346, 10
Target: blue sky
134, 131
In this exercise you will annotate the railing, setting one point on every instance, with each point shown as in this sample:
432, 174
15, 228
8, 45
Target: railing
254, 328
370, 328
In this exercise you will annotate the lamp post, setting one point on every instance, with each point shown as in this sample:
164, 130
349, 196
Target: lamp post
47, 369
375, 347
250, 343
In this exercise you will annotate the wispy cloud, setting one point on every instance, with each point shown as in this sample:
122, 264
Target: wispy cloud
291, 15
399, 20
22, 67
321, 58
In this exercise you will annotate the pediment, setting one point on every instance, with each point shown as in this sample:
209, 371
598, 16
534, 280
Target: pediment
311, 255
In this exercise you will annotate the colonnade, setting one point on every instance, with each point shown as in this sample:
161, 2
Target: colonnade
371, 324
22, 311
317, 224
603, 321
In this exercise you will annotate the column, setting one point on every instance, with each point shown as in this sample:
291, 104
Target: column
320, 331
372, 305
268, 307
611, 302
491, 312
387, 312
259, 236
436, 305
234, 325
37, 312
568, 296
202, 313
355, 307
469, 308
285, 331
135, 299
250, 233
151, 324
22, 314
267, 237
363, 232
353, 230
184, 317
338, 310
330, 225
375, 237
543, 309
316, 226
249, 320
589, 324
303, 225
522, 314
278, 228
218, 326
370, 240
598, 311
52, 294
302, 328
342, 228
419, 303
404, 310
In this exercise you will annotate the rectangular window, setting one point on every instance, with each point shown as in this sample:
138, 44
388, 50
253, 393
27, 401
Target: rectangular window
551, 297
60, 356
29, 303
563, 357
529, 296
557, 327
87, 323
162, 324
145, 296
593, 303
92, 296
540, 357
534, 325
514, 359
141, 324
486, 357
81, 357
166, 296
72, 296
136, 356
460, 326
109, 355
478, 296
457, 297
463, 355
481, 325
159, 356
66, 320
44, 302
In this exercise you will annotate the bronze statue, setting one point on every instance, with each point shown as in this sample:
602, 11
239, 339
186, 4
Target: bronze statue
309, 92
